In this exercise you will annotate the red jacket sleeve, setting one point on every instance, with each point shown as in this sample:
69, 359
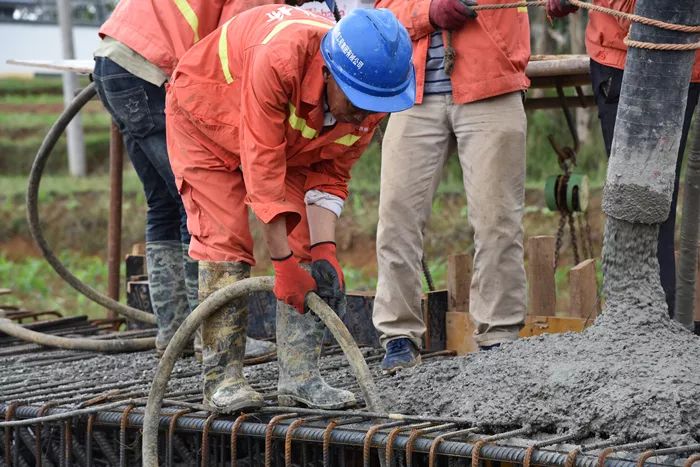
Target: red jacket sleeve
266, 88
413, 14
332, 175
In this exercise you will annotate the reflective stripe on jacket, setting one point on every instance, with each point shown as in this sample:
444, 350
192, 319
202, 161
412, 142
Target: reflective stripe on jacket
605, 36
492, 51
162, 30
255, 89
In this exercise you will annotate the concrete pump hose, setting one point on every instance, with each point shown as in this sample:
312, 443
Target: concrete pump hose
38, 166
205, 309
78, 343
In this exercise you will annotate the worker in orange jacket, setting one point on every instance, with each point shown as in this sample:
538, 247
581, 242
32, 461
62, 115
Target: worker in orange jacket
270, 112
605, 45
142, 42
477, 110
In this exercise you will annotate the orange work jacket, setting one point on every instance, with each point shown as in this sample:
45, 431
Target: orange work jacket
161, 31
605, 36
255, 90
492, 51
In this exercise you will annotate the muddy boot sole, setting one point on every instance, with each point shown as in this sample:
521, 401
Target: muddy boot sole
234, 408
394, 370
288, 400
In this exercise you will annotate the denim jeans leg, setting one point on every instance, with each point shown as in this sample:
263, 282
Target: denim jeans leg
138, 107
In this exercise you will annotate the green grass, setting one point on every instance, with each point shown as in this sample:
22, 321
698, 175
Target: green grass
62, 185
47, 84
41, 121
37, 287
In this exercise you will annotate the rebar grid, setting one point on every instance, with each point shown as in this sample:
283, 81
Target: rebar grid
106, 431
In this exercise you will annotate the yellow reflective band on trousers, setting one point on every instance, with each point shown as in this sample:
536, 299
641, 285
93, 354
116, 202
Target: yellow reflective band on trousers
299, 123
223, 52
347, 140
190, 16
289, 22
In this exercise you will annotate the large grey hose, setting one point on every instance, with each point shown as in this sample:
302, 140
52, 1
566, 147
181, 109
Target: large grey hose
213, 303
685, 291
78, 343
38, 166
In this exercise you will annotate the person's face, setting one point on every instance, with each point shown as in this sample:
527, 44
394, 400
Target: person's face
340, 106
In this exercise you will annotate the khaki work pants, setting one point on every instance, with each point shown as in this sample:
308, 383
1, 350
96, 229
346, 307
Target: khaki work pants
490, 138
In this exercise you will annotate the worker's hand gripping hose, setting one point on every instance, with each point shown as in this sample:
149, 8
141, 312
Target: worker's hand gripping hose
38, 166
209, 306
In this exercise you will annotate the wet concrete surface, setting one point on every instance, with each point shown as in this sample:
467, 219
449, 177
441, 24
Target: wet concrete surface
634, 373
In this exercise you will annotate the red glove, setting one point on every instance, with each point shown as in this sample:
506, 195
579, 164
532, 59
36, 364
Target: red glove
292, 282
450, 14
559, 8
326, 251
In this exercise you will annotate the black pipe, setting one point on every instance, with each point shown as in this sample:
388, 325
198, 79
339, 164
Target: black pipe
641, 171
687, 269
38, 166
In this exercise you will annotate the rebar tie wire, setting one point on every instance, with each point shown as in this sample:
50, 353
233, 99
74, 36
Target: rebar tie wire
436, 442
268, 435
415, 433
234, 437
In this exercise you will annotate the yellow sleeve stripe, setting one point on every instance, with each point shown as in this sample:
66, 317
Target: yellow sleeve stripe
190, 16
347, 140
223, 52
284, 24
299, 123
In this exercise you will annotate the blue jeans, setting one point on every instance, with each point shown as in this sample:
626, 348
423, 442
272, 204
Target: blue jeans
138, 108
607, 83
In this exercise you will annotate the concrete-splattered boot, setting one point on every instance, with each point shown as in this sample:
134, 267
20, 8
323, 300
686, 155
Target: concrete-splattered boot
166, 285
192, 284
223, 341
254, 348
299, 339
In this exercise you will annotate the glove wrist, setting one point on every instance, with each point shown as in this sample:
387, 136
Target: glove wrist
323, 250
284, 258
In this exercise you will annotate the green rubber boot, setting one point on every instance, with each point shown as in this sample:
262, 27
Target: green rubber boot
223, 341
254, 348
166, 284
299, 339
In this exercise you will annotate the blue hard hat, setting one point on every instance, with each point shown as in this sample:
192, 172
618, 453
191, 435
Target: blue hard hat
368, 52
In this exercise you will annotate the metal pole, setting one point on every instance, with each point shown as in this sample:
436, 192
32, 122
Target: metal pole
114, 239
74, 132
641, 171
687, 270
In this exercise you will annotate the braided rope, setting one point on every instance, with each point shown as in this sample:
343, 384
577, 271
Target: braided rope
451, 54
636, 18
654, 46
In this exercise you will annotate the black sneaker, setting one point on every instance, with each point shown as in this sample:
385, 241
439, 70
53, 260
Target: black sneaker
400, 353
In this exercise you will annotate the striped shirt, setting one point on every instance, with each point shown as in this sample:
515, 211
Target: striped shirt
436, 81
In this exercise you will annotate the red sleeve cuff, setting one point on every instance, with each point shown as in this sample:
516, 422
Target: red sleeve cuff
421, 19
326, 184
267, 212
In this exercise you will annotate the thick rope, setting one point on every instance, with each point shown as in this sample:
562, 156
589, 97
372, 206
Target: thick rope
655, 46
450, 53
636, 18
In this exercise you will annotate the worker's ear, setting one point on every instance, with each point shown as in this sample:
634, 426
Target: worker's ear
326, 74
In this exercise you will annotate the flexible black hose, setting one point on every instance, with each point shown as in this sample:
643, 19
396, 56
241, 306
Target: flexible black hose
686, 289
76, 343
209, 306
38, 166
